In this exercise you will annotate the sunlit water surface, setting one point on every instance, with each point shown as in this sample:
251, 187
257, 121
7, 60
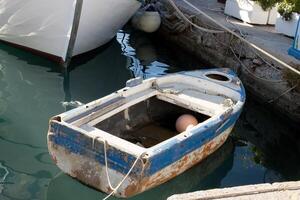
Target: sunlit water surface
33, 89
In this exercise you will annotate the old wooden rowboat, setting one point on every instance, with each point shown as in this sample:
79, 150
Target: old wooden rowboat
62, 29
126, 143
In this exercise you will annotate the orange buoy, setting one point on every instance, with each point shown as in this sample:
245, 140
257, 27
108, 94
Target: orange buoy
185, 121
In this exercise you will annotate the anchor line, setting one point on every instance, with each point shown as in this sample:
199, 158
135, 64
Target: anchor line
249, 71
285, 92
2, 180
239, 60
114, 189
245, 67
244, 36
190, 22
285, 65
273, 99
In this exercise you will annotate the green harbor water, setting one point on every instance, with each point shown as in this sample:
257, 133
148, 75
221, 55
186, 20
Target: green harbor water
263, 147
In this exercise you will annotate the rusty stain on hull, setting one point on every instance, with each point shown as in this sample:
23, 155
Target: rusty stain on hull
185, 163
86, 173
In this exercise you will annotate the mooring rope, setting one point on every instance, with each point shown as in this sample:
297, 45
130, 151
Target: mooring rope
285, 92
2, 180
249, 71
189, 21
230, 31
244, 36
114, 189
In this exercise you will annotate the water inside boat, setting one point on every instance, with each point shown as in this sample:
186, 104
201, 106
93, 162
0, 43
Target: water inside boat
147, 123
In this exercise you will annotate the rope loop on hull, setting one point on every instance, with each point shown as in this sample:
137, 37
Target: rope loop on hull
114, 189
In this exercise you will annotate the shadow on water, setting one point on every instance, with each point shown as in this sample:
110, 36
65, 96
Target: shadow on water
98, 73
17, 56
32, 89
276, 140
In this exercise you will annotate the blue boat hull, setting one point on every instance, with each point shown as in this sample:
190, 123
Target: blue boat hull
108, 165
172, 160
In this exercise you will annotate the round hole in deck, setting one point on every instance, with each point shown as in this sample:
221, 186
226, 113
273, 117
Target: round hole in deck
218, 76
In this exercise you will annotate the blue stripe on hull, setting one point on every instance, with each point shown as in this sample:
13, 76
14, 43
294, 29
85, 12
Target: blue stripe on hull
78, 143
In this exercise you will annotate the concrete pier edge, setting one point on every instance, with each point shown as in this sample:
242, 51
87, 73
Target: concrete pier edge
275, 191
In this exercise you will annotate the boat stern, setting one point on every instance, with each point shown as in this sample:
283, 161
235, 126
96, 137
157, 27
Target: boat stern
94, 161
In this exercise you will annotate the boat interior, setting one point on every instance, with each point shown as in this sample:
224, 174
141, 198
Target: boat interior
147, 114
147, 123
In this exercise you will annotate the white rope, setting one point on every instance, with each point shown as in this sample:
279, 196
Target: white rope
189, 21
5, 175
114, 189
238, 36
106, 166
125, 177
285, 92
2, 180
244, 36
244, 66
248, 70
241, 32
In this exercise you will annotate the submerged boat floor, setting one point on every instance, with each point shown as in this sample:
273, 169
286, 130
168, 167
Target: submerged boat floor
147, 123
149, 134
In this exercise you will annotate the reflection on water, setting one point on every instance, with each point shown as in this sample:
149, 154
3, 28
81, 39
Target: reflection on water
151, 57
141, 57
100, 75
33, 89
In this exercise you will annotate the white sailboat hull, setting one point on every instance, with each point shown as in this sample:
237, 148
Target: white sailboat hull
100, 21
63, 28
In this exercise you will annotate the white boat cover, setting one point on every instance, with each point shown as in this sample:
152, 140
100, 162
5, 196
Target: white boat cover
63, 28
32, 23
100, 20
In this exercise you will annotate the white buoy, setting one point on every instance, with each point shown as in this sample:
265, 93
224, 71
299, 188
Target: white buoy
147, 21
